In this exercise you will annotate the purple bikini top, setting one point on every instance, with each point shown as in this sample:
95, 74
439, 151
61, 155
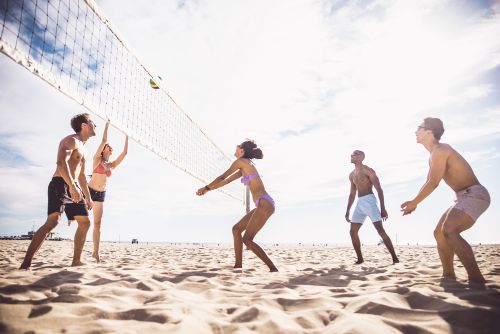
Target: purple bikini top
246, 178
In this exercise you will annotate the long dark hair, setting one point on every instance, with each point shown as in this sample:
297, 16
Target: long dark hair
251, 150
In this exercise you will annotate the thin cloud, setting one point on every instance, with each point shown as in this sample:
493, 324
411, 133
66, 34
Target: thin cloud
305, 129
9, 156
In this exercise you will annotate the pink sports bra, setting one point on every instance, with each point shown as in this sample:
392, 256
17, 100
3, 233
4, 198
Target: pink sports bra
101, 169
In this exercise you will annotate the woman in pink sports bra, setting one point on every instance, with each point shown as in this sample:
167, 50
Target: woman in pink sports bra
102, 168
253, 221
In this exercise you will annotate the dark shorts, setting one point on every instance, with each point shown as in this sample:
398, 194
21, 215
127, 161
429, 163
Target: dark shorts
97, 196
60, 200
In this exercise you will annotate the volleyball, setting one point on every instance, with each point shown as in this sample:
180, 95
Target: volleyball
154, 82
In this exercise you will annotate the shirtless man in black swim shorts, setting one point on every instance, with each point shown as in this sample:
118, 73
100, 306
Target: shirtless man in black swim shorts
68, 190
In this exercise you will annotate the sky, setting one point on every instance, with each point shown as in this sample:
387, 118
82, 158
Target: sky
309, 81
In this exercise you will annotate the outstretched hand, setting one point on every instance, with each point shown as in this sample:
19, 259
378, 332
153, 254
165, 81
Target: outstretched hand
408, 207
201, 191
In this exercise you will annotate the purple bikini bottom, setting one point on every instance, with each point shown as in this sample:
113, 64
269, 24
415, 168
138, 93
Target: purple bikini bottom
266, 197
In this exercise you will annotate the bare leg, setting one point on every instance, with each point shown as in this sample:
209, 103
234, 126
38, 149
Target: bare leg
355, 241
455, 223
238, 229
80, 236
257, 221
39, 238
96, 233
387, 241
445, 250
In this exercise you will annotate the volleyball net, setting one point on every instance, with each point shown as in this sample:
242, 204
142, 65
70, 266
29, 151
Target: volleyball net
72, 46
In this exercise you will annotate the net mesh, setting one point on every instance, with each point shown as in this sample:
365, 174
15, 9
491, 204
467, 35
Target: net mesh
71, 45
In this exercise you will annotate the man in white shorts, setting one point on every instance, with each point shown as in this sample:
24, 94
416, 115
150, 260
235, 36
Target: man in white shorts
362, 179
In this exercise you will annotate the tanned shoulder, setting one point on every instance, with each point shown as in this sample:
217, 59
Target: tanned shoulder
441, 150
241, 161
69, 141
368, 171
439, 155
446, 147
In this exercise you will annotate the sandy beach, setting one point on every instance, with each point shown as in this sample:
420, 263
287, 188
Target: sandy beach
194, 289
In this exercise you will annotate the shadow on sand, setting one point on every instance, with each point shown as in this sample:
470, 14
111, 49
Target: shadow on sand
50, 283
483, 316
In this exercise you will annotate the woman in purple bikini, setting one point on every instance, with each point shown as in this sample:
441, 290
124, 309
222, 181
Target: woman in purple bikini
253, 221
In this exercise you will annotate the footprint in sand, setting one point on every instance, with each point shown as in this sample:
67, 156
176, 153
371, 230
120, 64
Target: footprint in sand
248, 315
39, 311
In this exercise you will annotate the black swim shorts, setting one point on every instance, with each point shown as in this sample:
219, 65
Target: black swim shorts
97, 196
60, 200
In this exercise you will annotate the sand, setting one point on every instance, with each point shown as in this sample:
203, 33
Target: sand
194, 289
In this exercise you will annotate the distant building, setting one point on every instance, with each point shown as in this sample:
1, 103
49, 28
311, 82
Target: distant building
51, 236
28, 236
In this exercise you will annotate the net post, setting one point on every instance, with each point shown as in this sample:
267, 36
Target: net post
247, 199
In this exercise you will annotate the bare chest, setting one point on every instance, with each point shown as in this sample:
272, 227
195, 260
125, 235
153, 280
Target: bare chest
77, 157
360, 178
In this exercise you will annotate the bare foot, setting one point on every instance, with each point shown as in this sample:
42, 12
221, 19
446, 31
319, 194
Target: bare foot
273, 270
449, 281
448, 278
25, 266
77, 263
394, 261
96, 257
477, 285
359, 261
238, 266
477, 280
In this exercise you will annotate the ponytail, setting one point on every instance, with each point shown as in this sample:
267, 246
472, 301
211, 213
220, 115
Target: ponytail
251, 150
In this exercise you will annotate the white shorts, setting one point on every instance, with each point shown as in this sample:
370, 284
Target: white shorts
366, 206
